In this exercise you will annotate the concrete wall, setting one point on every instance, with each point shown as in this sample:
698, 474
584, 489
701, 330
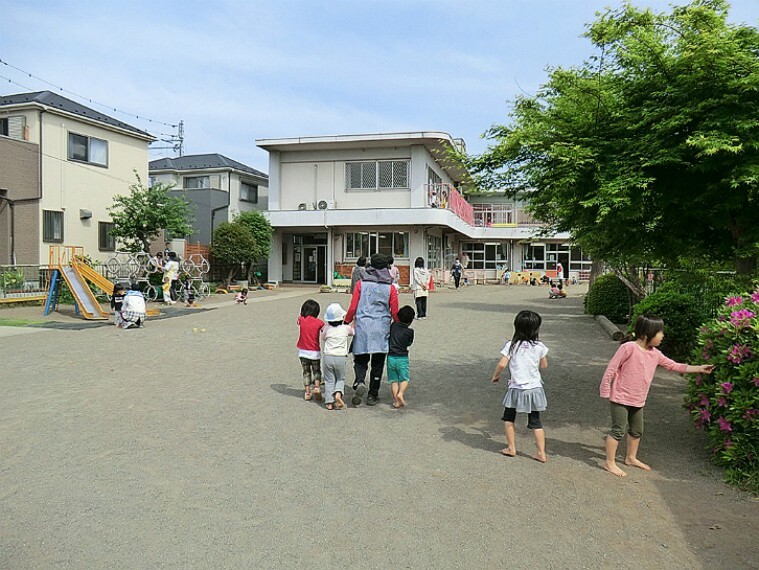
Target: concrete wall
19, 175
307, 177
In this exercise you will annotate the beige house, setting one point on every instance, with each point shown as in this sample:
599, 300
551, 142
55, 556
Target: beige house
61, 164
218, 187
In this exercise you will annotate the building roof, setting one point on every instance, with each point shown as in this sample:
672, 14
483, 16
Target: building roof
54, 101
201, 162
436, 142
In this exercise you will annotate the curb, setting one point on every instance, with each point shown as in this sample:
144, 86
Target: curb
609, 327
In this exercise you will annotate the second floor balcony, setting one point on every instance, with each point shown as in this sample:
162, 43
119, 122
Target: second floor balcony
447, 197
501, 216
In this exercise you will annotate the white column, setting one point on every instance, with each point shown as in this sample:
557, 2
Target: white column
275, 257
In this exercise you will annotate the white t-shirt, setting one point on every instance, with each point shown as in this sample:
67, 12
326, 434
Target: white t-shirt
524, 364
336, 339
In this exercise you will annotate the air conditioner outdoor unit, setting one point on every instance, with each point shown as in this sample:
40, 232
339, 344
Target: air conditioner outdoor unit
326, 204
302, 206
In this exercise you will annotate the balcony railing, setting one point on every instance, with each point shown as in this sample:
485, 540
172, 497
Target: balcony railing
447, 197
501, 215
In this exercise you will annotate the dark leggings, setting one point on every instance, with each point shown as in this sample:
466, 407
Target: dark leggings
421, 307
457, 280
361, 365
533, 418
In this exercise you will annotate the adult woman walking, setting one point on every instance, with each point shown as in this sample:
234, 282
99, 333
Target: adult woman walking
374, 305
456, 272
421, 288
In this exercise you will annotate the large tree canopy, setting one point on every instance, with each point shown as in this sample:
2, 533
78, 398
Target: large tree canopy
649, 151
139, 218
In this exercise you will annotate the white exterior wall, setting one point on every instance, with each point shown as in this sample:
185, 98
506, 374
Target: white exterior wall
70, 186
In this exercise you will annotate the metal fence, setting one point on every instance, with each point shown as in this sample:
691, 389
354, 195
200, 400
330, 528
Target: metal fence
20, 282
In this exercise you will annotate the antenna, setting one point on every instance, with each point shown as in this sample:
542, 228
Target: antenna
176, 141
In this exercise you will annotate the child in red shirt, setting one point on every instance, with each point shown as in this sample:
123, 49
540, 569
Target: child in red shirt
309, 350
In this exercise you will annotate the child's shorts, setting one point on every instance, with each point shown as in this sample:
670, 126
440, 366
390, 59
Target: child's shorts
397, 368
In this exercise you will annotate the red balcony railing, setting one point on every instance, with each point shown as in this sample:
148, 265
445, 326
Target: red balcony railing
446, 196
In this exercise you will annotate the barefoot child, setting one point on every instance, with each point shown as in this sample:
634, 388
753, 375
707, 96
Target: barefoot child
401, 337
626, 382
309, 350
524, 355
335, 336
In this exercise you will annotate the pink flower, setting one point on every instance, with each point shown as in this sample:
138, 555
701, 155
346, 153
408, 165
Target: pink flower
724, 425
705, 355
742, 319
728, 443
727, 387
755, 296
756, 381
733, 301
704, 400
749, 415
738, 353
698, 381
705, 415
722, 402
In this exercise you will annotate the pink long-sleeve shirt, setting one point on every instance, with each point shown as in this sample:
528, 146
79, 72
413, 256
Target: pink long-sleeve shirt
629, 375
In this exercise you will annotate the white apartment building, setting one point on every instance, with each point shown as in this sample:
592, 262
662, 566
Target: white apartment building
61, 164
335, 198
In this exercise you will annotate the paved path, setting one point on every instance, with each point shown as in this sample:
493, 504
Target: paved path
170, 447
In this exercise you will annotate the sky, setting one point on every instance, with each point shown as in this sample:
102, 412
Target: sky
237, 71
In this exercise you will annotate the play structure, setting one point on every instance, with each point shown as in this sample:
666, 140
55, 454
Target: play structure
67, 264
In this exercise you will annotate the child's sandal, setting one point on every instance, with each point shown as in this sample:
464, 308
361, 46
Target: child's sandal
307, 396
317, 394
330, 406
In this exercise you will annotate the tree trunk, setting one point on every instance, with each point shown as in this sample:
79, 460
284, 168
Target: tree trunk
745, 265
228, 281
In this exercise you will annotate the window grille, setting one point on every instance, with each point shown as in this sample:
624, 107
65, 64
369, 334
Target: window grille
377, 175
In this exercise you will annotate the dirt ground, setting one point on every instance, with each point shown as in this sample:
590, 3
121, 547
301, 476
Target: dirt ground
187, 444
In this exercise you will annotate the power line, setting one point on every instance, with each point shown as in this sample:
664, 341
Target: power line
92, 101
176, 140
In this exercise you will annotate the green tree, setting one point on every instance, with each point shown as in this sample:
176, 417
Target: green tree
139, 218
262, 231
649, 151
235, 244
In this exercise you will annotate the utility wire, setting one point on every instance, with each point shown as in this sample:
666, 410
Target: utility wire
92, 101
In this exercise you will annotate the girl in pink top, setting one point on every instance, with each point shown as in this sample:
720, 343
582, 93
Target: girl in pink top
626, 382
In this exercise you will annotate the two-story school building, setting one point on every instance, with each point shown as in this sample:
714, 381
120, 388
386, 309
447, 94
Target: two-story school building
333, 199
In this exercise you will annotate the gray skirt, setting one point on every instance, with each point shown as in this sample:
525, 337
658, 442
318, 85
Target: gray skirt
526, 401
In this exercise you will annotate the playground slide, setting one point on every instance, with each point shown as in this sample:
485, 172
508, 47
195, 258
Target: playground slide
82, 294
93, 276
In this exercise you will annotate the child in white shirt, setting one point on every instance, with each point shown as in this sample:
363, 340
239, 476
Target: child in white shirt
335, 335
524, 355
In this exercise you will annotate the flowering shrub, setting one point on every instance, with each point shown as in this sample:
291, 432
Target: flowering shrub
725, 403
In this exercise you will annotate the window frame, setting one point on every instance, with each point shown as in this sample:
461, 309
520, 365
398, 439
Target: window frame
88, 158
186, 179
248, 200
354, 243
104, 233
48, 225
377, 179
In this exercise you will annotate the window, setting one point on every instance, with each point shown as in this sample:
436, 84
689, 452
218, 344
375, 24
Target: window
88, 149
579, 261
433, 177
377, 175
534, 257
248, 192
52, 226
367, 243
486, 255
106, 242
196, 182
4, 127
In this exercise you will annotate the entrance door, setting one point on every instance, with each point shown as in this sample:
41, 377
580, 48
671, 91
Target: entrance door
564, 260
314, 264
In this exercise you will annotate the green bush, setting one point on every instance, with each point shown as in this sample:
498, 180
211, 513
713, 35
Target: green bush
609, 297
681, 321
725, 403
